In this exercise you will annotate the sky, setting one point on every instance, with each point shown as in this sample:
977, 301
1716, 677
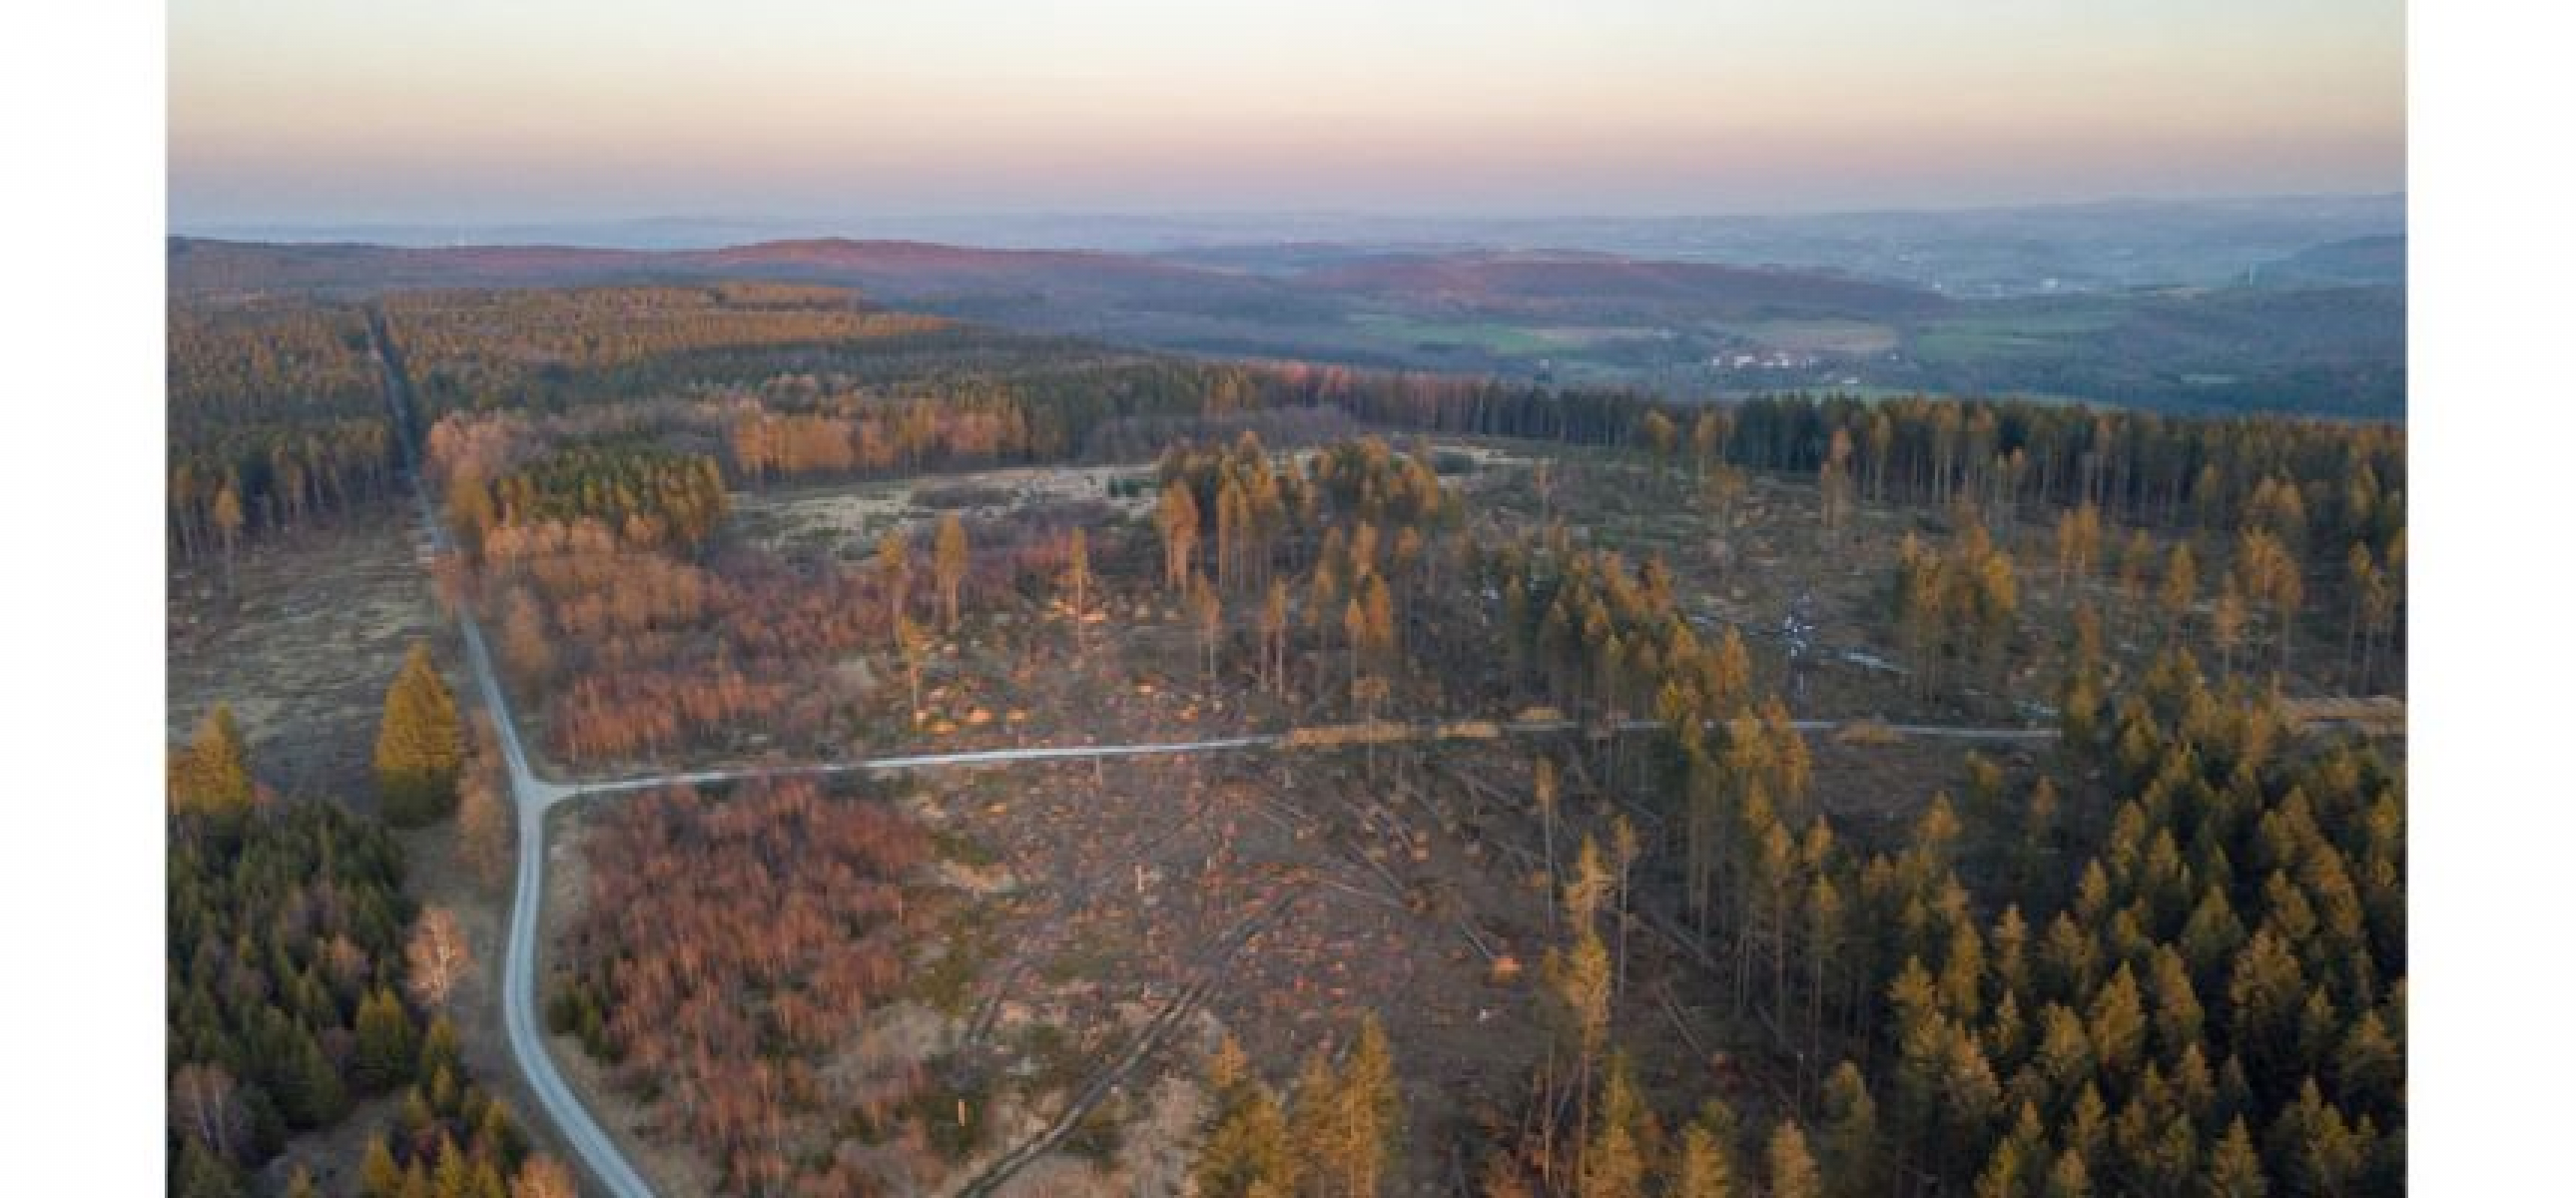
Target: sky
499, 111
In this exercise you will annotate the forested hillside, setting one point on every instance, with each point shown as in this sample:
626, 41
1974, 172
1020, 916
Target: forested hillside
1601, 796
2312, 336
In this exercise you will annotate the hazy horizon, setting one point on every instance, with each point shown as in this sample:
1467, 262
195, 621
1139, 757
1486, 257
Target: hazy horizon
301, 112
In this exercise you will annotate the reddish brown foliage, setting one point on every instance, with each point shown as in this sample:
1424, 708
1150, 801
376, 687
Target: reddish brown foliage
730, 942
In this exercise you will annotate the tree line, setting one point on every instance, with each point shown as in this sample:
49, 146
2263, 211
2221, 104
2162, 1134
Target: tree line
543, 349
276, 417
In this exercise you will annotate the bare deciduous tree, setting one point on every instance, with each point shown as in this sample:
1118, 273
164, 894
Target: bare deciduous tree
543, 1177
202, 1101
438, 955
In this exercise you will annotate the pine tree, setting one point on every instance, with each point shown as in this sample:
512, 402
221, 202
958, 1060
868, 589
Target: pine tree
2006, 1173
420, 747
212, 774
310, 1093
1247, 1147
1543, 792
1657, 431
202, 1174
949, 560
1702, 1169
1312, 1124
1793, 1170
1590, 883
2227, 617
1371, 1111
1852, 1152
1178, 518
1614, 1163
454, 1176
1077, 575
1274, 637
2175, 1159
2235, 1171
894, 573
2369, 1068
386, 1050
2179, 590
1207, 615
228, 525
2068, 1178
378, 1175
2014, 1165
2117, 1026
438, 1048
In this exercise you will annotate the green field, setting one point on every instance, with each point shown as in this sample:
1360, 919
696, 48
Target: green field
1823, 335
1494, 337
2005, 334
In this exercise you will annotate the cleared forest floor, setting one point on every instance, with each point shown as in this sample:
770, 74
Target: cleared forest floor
302, 644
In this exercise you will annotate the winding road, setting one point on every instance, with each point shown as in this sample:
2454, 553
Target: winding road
598, 1155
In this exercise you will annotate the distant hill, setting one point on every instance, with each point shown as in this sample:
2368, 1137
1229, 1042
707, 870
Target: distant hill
2321, 332
1607, 287
2360, 260
898, 270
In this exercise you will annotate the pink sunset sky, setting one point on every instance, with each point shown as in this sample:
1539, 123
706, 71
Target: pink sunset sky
475, 110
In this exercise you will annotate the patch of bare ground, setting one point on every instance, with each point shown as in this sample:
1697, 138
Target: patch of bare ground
1158, 1142
331, 1154
855, 515
1398, 902
1873, 789
302, 644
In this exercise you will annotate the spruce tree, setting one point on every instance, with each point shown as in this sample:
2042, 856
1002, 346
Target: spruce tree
420, 747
